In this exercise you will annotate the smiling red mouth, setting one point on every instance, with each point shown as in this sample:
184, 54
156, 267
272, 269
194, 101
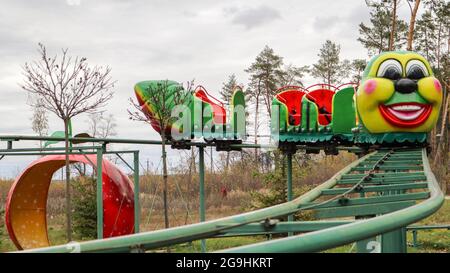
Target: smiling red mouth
406, 114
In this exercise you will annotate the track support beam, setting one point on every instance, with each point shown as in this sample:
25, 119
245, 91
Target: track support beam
99, 194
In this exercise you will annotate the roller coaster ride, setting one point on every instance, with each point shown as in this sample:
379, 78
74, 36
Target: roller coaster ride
385, 120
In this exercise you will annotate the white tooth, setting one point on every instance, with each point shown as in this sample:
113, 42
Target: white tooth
406, 107
404, 116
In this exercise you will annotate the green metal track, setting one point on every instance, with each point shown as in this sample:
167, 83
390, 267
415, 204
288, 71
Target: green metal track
388, 224
384, 192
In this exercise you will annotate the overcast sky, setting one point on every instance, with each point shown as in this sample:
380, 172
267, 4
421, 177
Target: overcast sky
161, 39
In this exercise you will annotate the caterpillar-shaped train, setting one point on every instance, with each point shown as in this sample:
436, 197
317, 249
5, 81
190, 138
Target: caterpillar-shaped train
396, 103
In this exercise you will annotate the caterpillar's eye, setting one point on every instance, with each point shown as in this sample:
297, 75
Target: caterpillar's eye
416, 70
390, 69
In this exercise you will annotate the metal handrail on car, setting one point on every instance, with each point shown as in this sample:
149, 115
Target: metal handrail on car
208, 94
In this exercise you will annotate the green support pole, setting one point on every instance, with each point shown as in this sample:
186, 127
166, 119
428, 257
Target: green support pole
369, 245
394, 241
99, 194
137, 209
201, 152
289, 186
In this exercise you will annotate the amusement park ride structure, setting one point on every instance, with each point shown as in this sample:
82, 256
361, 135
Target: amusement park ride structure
372, 201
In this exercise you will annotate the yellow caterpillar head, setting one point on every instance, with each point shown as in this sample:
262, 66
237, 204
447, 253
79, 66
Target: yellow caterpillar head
398, 93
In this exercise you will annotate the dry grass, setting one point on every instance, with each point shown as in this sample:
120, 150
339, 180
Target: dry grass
442, 175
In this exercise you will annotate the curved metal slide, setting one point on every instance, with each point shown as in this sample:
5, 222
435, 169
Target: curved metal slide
26, 217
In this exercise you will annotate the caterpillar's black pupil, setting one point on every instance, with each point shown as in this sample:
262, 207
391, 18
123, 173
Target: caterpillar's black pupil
392, 73
415, 73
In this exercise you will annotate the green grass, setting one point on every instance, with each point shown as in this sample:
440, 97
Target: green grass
434, 241
215, 244
437, 240
442, 216
5, 243
429, 241
56, 235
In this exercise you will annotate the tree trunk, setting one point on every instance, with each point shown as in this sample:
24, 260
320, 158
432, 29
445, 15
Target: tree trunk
165, 177
438, 48
283, 174
212, 162
394, 26
433, 139
165, 181
189, 179
227, 162
443, 127
256, 127
267, 99
412, 23
276, 157
68, 188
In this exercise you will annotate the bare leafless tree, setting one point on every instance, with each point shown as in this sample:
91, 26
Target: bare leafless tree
101, 125
67, 87
39, 120
157, 100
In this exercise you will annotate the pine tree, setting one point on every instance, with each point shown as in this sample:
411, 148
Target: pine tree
85, 207
228, 88
376, 36
265, 74
426, 36
329, 68
431, 38
293, 75
357, 68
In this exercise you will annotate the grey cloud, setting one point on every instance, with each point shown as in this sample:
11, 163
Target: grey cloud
252, 17
189, 13
325, 23
344, 25
358, 14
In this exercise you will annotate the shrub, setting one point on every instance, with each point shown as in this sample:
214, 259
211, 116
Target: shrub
276, 189
2, 225
84, 207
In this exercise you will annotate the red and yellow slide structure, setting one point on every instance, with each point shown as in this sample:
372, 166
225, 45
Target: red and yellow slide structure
26, 214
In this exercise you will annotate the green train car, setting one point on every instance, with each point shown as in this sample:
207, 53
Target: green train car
318, 113
397, 103
200, 116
